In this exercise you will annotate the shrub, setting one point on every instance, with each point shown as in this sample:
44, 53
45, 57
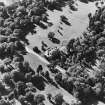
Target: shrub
22, 99
8, 80
39, 98
2, 87
2, 70
51, 35
36, 50
20, 86
58, 99
29, 96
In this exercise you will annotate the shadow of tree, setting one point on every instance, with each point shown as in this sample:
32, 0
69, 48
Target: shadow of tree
43, 26
86, 1
64, 19
55, 40
38, 82
56, 6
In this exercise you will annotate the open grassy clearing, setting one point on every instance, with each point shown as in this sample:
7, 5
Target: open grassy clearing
78, 19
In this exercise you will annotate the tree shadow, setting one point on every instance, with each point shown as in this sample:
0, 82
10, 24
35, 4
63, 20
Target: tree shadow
41, 25
67, 23
56, 5
64, 19
52, 102
50, 24
86, 1
55, 40
60, 33
26, 41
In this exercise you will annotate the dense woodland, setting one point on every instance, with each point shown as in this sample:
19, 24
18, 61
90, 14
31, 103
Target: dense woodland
21, 82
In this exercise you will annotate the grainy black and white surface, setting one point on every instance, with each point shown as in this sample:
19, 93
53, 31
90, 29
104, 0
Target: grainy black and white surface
52, 52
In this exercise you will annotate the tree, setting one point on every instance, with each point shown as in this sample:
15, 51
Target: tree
3, 48
12, 25
76, 103
10, 48
2, 87
88, 93
8, 31
101, 41
90, 15
49, 96
8, 80
11, 38
98, 89
20, 86
4, 102
47, 75
65, 103
68, 84
11, 95
39, 98
28, 76
19, 65
2, 70
21, 9
58, 99
37, 10
17, 32
100, 53
16, 75
29, 96
51, 35
36, 50
42, 103
26, 67
4, 13
30, 87
96, 4
18, 58
2, 30
1, 21
39, 69
35, 19
58, 77
2, 4
19, 45
38, 82
22, 99
44, 17
55, 54
7, 61
70, 46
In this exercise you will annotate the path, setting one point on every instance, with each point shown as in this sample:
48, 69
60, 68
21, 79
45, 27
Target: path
43, 59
